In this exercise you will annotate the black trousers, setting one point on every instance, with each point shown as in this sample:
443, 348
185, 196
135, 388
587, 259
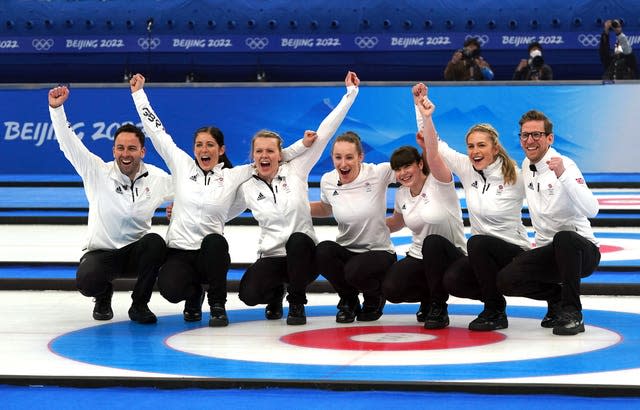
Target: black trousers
182, 275
476, 276
421, 280
350, 273
264, 281
141, 259
552, 272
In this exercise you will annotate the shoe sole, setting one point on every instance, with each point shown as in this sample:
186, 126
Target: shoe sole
362, 318
102, 317
218, 322
488, 328
436, 325
296, 321
192, 318
561, 331
144, 321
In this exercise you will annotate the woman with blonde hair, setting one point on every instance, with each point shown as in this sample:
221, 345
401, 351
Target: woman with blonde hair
494, 193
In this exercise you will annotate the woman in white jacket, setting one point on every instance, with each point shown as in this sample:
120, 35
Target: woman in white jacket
278, 198
494, 192
204, 193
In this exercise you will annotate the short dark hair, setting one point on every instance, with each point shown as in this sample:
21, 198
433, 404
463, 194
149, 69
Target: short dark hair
407, 155
534, 44
472, 40
130, 128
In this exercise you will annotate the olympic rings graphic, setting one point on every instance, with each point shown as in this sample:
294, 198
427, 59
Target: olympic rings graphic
148, 43
589, 40
42, 44
256, 43
482, 39
366, 42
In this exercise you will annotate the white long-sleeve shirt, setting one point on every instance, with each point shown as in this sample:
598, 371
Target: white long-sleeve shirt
435, 211
282, 208
495, 208
558, 204
120, 211
203, 200
360, 207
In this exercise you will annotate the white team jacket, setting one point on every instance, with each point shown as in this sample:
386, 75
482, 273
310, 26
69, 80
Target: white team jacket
120, 211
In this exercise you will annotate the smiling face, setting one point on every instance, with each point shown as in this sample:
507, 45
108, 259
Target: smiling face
127, 153
481, 150
266, 156
535, 150
206, 151
346, 160
411, 176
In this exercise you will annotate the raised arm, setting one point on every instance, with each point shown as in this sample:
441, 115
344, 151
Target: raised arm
162, 141
74, 150
571, 178
428, 138
329, 125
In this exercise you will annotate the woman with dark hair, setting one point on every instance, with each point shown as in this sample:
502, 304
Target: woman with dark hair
355, 193
204, 193
278, 198
426, 203
494, 193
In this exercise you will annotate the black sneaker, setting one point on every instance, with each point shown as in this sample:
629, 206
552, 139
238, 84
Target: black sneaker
569, 324
551, 318
437, 317
139, 312
296, 314
102, 308
369, 313
422, 312
273, 311
218, 315
489, 319
193, 307
348, 310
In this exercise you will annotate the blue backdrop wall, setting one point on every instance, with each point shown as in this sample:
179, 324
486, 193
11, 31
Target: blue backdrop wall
595, 124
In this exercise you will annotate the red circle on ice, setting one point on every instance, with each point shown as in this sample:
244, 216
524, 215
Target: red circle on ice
390, 338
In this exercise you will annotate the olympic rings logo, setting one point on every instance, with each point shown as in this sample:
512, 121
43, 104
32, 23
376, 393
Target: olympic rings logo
482, 39
256, 43
42, 44
589, 40
146, 43
366, 42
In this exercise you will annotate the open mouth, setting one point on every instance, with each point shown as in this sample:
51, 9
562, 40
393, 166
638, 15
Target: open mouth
205, 160
265, 165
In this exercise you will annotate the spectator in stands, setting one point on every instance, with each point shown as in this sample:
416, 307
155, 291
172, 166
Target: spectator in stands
621, 63
560, 204
467, 64
123, 195
534, 68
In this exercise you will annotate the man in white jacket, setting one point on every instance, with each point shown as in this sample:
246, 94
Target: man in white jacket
560, 204
123, 195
